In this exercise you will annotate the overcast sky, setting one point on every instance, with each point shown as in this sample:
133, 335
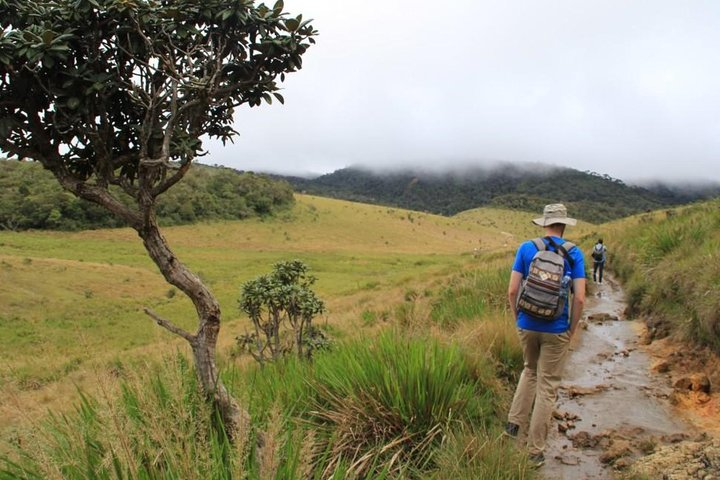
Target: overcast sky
627, 88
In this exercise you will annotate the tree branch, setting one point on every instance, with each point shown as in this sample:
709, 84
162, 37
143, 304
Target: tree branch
163, 187
170, 326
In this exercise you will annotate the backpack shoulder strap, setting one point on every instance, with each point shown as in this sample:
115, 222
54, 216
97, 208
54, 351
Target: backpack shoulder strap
539, 244
564, 249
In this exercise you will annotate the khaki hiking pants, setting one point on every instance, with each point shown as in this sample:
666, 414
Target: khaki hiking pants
534, 400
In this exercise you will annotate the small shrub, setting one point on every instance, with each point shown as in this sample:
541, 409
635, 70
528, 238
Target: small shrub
647, 446
280, 299
635, 293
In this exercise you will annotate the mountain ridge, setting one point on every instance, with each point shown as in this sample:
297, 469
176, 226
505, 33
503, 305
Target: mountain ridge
591, 196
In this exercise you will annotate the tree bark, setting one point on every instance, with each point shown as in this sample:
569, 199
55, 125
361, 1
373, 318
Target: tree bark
204, 341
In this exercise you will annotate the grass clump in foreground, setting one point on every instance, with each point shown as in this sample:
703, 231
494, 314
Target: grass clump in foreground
395, 407
155, 427
382, 405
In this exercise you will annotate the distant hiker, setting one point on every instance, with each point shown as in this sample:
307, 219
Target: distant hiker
544, 276
599, 255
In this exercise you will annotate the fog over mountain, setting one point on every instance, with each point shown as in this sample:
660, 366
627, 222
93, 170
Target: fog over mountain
624, 88
591, 196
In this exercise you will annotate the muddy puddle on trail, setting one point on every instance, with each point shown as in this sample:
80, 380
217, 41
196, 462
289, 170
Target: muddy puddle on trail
610, 408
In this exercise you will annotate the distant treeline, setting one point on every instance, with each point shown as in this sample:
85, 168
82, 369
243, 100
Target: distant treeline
590, 196
31, 198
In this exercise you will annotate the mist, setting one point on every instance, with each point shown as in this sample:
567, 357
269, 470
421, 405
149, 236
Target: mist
627, 89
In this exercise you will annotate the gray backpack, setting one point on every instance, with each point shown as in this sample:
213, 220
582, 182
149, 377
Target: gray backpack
598, 252
545, 291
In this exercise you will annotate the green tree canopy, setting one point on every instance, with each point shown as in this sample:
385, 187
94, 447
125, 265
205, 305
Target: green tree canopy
120, 93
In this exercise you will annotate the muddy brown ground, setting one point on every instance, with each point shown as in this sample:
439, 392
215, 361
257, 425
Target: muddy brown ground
613, 408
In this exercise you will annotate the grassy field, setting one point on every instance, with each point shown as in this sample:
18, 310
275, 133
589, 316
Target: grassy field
70, 303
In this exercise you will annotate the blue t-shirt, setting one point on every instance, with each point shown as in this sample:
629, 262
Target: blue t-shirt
522, 265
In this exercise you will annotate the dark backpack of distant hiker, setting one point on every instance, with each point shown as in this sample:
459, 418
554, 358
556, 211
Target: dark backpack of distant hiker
545, 291
598, 252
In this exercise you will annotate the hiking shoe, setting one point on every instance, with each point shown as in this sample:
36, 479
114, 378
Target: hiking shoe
511, 430
537, 460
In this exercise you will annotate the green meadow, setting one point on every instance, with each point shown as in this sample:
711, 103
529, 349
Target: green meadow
415, 384
70, 301
71, 317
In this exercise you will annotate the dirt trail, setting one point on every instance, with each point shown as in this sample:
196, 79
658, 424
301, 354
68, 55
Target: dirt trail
611, 410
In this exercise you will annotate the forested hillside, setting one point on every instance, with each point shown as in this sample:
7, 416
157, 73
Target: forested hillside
30, 198
592, 197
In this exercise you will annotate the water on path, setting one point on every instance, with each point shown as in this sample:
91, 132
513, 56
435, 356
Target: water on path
608, 397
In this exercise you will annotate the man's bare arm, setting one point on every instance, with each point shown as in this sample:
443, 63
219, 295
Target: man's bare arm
513, 289
578, 303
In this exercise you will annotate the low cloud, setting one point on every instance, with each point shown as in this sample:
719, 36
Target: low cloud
626, 89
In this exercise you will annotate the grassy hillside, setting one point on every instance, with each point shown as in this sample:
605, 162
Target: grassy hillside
77, 297
670, 263
31, 198
70, 315
527, 187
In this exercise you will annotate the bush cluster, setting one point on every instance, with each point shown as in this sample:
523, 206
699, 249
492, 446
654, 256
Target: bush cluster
30, 198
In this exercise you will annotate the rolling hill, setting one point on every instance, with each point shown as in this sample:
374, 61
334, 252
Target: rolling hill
590, 196
31, 198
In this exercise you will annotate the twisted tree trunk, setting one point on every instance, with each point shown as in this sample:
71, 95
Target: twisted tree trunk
204, 341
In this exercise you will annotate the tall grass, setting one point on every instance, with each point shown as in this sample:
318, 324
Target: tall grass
395, 407
473, 308
670, 265
471, 294
386, 403
473, 454
397, 400
157, 426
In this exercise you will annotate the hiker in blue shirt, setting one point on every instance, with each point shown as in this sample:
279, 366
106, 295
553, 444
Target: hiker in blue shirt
544, 336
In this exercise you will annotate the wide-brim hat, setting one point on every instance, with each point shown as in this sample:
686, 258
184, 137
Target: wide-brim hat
554, 213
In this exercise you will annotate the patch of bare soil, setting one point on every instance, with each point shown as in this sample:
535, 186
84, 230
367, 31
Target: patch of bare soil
626, 404
694, 374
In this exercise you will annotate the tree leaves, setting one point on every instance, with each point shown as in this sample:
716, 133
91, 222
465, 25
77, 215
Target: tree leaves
292, 24
118, 62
